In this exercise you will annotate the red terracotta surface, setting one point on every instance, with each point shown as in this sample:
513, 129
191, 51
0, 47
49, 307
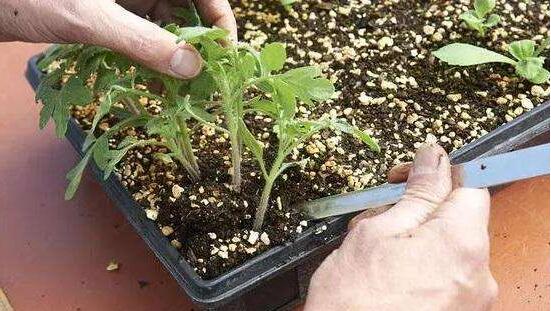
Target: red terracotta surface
53, 253
519, 233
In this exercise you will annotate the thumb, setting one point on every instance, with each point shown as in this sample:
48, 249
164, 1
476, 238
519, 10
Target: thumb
111, 26
428, 185
465, 216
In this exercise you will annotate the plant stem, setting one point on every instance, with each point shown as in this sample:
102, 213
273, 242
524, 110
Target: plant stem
189, 168
266, 191
263, 205
177, 148
235, 157
186, 144
232, 113
129, 103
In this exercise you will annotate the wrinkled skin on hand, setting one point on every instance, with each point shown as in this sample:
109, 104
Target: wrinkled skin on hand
119, 26
428, 252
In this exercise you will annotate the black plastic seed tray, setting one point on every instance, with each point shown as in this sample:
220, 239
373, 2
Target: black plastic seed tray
278, 279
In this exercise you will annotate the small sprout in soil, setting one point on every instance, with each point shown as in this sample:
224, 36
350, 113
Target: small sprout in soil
478, 18
288, 3
528, 64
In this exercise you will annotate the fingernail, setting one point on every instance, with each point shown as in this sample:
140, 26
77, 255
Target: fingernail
427, 158
186, 62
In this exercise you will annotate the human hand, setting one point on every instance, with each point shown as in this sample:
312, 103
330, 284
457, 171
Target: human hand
106, 23
429, 252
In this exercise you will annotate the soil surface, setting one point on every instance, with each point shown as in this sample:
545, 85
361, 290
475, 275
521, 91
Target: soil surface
378, 55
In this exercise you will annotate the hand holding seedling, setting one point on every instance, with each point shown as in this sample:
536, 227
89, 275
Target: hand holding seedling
429, 252
115, 26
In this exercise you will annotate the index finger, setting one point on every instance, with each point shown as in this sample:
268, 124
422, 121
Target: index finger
218, 13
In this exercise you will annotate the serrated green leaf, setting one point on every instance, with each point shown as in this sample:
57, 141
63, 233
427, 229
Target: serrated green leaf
523, 49
264, 106
307, 84
461, 54
212, 51
61, 116
75, 92
104, 107
45, 115
101, 151
75, 175
116, 60
298, 74
195, 34
88, 60
202, 87
57, 103
188, 110
58, 52
273, 56
49, 98
105, 80
319, 90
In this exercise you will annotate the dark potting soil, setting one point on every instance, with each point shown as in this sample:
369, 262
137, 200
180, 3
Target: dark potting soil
378, 55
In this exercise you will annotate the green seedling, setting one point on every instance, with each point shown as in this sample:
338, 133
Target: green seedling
234, 71
83, 73
478, 19
527, 62
79, 74
281, 94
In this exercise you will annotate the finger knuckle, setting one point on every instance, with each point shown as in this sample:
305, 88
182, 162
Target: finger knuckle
367, 228
426, 195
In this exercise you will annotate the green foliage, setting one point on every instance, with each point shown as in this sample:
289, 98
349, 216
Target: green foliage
462, 54
528, 64
85, 73
478, 18
288, 3
282, 93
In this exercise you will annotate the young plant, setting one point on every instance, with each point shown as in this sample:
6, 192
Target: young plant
232, 71
281, 93
81, 73
478, 18
528, 64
